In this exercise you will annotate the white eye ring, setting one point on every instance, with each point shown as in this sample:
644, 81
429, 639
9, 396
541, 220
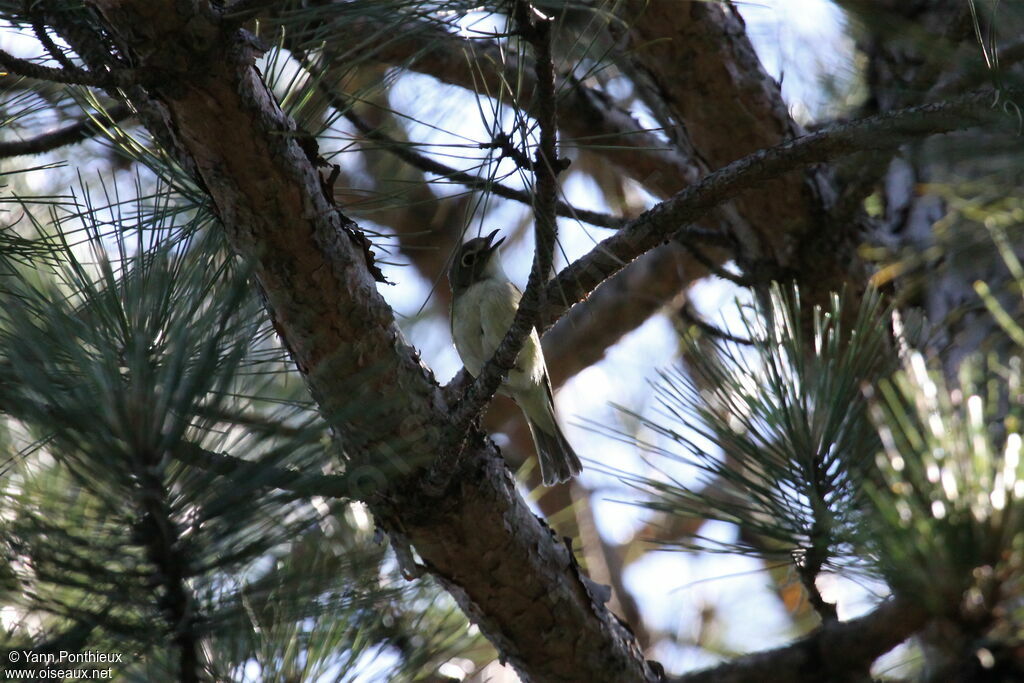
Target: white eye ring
468, 257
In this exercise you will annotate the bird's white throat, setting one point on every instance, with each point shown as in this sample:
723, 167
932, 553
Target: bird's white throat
493, 269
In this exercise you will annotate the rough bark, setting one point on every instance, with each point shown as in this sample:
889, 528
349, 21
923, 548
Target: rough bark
504, 566
703, 77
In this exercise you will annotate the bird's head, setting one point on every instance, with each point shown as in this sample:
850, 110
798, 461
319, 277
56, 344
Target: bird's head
474, 261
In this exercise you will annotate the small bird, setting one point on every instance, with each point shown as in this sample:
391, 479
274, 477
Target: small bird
484, 302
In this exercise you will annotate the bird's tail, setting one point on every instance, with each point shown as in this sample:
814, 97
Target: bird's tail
558, 461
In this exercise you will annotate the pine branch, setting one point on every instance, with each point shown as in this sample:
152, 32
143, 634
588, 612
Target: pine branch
39, 28
115, 78
835, 652
301, 484
69, 135
158, 533
885, 131
343, 337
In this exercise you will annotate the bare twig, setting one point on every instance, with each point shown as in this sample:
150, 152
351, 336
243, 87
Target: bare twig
503, 143
406, 152
39, 28
710, 264
688, 315
73, 76
69, 135
536, 29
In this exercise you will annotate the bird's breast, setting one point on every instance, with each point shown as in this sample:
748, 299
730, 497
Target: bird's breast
468, 331
481, 315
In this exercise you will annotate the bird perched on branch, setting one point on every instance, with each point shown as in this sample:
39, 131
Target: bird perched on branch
484, 302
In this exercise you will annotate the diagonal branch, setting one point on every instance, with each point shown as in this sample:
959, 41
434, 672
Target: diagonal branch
381, 402
835, 652
39, 28
885, 131
29, 69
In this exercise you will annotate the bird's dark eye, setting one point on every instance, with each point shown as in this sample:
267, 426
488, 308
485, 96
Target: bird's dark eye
468, 257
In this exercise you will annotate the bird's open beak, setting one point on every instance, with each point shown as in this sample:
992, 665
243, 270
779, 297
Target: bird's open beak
491, 244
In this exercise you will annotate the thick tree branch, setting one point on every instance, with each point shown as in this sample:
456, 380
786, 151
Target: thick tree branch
885, 131
503, 566
838, 651
699, 73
